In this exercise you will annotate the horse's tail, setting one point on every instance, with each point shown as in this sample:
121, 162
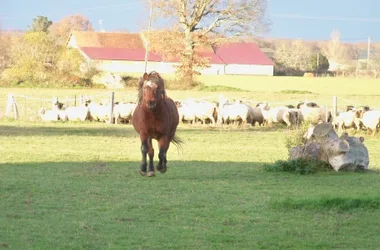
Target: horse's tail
177, 141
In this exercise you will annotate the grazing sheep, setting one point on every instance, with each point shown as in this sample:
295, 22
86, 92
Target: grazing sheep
124, 111
255, 116
99, 112
187, 111
233, 113
280, 114
371, 120
348, 119
314, 114
206, 110
48, 115
81, 113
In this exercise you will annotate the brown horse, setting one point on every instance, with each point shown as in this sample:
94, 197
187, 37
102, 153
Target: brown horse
155, 117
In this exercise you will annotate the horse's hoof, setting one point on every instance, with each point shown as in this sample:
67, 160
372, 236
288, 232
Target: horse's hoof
151, 174
142, 173
163, 170
159, 167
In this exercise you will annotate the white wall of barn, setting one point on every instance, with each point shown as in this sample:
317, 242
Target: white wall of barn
72, 43
164, 67
134, 66
244, 69
214, 69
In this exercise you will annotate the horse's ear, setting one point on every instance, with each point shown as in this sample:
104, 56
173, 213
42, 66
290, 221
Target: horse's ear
145, 76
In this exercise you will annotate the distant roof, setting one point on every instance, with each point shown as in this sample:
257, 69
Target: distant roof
214, 58
242, 53
199, 47
130, 46
119, 54
108, 39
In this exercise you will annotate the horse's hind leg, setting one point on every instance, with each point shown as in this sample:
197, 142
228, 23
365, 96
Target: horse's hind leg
151, 155
144, 151
163, 145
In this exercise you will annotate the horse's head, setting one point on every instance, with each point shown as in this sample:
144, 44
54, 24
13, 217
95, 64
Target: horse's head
151, 89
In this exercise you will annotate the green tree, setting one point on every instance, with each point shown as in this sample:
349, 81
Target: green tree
37, 59
29, 54
40, 24
319, 63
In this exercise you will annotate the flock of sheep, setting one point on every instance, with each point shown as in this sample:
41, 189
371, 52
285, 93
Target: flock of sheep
224, 112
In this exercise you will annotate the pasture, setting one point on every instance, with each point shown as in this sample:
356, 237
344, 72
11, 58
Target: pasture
76, 185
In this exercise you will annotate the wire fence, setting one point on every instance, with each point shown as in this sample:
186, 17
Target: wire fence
28, 106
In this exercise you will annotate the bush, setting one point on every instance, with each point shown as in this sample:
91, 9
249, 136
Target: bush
298, 166
130, 81
293, 91
295, 137
218, 88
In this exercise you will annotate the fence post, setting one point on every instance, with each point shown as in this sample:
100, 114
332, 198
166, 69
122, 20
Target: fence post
327, 113
112, 98
335, 106
75, 100
11, 105
67, 101
54, 101
25, 106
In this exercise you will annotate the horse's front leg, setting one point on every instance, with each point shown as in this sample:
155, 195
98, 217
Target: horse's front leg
163, 144
151, 155
144, 151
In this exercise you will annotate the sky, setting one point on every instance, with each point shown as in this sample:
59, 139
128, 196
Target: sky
294, 19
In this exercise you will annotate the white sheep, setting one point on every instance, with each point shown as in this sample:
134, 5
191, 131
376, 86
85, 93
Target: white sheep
48, 115
123, 111
371, 120
81, 113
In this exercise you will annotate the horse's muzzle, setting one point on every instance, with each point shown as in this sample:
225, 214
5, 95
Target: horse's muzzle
151, 104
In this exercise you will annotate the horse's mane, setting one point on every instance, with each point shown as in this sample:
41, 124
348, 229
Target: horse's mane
153, 77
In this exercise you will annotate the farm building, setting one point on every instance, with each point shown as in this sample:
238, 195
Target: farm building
125, 53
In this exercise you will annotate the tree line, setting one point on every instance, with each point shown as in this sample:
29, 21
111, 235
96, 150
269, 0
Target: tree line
333, 57
39, 56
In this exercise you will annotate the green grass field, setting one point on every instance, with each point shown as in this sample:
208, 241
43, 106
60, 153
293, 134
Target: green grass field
76, 186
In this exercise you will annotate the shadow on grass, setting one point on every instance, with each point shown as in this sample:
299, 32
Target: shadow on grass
125, 130
189, 170
231, 128
57, 130
341, 204
185, 170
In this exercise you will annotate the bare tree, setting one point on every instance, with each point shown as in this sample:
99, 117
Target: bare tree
334, 50
62, 29
202, 21
374, 65
5, 49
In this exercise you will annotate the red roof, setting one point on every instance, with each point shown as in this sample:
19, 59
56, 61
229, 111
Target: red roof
214, 58
242, 53
230, 53
137, 54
